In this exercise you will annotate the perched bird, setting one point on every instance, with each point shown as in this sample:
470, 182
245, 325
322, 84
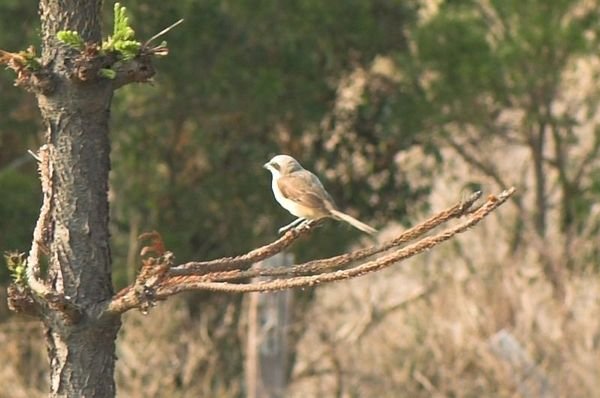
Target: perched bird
301, 193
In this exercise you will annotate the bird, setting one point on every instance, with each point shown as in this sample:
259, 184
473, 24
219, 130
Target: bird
301, 193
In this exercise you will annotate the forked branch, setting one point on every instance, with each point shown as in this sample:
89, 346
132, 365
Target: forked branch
32, 293
215, 275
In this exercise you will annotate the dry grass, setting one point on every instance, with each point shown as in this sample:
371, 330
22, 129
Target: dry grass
24, 371
174, 353
422, 330
364, 341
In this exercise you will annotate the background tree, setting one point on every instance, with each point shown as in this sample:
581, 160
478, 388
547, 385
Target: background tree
512, 92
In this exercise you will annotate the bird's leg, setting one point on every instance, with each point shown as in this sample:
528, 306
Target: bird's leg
306, 224
291, 225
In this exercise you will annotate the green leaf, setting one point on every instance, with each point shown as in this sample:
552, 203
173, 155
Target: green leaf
107, 73
32, 62
122, 41
16, 264
127, 48
122, 30
71, 38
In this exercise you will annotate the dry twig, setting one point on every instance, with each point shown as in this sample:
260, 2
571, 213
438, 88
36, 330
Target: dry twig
40, 233
455, 211
211, 275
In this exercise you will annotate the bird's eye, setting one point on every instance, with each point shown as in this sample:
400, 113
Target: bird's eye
275, 166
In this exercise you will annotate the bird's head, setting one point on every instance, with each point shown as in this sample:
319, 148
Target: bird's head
282, 165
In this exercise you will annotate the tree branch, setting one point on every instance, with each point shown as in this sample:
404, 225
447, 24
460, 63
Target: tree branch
587, 160
487, 169
211, 275
92, 62
136, 70
35, 293
179, 284
31, 75
121, 65
457, 210
238, 262
40, 233
129, 297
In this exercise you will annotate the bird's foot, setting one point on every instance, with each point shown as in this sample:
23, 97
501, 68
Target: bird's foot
306, 224
283, 230
291, 225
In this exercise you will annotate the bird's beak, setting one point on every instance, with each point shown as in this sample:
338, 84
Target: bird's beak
266, 165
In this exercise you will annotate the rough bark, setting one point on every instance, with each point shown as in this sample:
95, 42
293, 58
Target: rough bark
76, 114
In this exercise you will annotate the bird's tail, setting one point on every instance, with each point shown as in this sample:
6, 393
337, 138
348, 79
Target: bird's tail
353, 221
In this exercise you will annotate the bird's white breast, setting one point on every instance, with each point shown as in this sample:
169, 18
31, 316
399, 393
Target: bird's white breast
291, 206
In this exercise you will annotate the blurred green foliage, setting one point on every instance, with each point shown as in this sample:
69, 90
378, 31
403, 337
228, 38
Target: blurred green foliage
19, 209
513, 55
19, 118
245, 81
19, 128
188, 152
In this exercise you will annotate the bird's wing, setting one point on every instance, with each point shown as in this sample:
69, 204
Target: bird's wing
304, 188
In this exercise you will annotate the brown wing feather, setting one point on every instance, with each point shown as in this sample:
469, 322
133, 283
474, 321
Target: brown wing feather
305, 188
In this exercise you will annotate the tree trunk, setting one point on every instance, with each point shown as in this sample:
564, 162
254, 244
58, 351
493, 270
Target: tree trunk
267, 350
537, 141
76, 115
